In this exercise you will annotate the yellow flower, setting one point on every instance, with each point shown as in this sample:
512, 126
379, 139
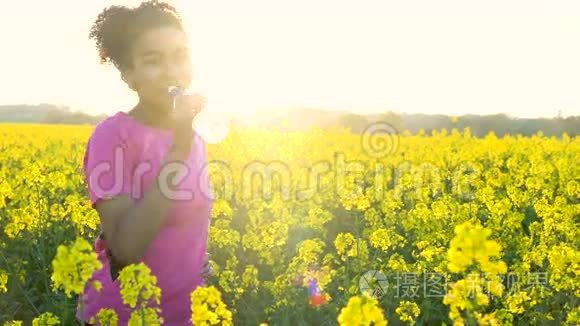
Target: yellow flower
3, 281
106, 317
13, 323
145, 316
221, 208
250, 277
229, 281
573, 317
384, 239
465, 295
318, 217
408, 311
138, 285
73, 266
516, 302
46, 319
310, 250
343, 243
360, 311
470, 246
487, 319
347, 246
208, 308
397, 263
564, 267
275, 235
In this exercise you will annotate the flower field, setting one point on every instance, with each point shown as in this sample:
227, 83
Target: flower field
320, 228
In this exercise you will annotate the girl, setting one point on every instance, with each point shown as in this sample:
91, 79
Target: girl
146, 168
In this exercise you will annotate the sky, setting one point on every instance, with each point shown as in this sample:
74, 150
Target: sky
519, 57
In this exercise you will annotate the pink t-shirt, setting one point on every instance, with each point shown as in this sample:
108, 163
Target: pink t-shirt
123, 156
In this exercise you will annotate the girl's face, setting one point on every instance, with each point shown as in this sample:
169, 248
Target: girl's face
160, 58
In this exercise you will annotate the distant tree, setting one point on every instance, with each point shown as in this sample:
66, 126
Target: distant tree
355, 122
392, 118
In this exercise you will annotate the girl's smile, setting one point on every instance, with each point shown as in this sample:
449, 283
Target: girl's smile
160, 59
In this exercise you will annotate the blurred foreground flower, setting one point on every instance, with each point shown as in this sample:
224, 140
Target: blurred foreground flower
13, 323
471, 246
145, 316
477, 257
208, 308
139, 290
46, 319
73, 266
106, 317
362, 310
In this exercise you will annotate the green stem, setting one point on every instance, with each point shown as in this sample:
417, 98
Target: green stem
41, 243
19, 285
82, 313
81, 302
142, 316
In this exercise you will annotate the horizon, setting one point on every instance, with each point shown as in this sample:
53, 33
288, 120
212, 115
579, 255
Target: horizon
285, 110
519, 58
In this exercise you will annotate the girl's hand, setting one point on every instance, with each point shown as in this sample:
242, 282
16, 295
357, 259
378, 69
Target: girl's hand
186, 109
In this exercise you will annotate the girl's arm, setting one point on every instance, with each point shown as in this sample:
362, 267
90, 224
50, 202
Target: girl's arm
130, 228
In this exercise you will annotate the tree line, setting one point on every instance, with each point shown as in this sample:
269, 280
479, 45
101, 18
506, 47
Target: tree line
306, 118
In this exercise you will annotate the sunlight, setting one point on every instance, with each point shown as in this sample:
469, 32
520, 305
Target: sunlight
212, 125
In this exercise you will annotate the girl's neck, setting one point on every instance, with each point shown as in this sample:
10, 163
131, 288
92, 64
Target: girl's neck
150, 116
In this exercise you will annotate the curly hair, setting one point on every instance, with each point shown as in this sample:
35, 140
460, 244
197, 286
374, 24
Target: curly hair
117, 27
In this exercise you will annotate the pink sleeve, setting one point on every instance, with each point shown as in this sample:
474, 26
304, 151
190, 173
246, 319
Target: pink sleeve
107, 164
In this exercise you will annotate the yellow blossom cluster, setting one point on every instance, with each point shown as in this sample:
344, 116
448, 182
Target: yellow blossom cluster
208, 308
472, 246
362, 311
73, 266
